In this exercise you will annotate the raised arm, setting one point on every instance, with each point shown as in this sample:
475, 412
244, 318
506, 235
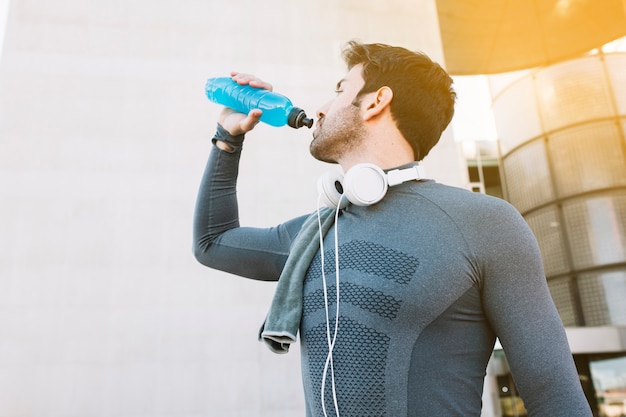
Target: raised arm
218, 240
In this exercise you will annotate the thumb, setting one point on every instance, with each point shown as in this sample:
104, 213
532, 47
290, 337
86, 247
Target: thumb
251, 120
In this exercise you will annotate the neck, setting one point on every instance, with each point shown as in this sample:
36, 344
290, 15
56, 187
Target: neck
384, 151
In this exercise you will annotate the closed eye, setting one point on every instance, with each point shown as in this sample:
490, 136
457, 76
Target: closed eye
338, 88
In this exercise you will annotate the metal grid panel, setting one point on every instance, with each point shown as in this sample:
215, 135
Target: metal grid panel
593, 300
546, 226
561, 292
573, 92
615, 64
528, 177
596, 229
587, 158
602, 296
517, 115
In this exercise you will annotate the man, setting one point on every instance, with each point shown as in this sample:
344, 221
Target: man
404, 300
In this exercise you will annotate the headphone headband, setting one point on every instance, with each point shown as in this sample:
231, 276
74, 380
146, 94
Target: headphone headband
398, 176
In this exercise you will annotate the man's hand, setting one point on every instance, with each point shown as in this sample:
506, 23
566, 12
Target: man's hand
238, 123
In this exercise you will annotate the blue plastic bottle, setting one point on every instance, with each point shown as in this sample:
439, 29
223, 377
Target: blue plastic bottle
277, 109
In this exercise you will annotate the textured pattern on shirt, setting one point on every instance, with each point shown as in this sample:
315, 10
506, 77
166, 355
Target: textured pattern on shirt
368, 258
363, 297
361, 352
359, 356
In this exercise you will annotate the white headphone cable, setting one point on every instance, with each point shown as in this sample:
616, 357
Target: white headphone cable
331, 342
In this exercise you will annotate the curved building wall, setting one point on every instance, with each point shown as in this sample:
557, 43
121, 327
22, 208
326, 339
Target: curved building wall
562, 137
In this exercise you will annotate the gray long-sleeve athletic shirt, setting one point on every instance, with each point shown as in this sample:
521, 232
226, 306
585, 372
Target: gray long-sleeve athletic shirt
429, 277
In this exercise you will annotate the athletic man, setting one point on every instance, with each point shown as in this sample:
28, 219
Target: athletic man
401, 306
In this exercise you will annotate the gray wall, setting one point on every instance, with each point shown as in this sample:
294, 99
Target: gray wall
104, 131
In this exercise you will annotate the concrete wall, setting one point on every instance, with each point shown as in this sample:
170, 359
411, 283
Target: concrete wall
104, 132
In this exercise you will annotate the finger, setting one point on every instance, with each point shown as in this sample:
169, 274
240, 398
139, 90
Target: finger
258, 83
251, 120
249, 79
241, 78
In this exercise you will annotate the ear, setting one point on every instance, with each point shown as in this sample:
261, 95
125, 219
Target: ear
379, 103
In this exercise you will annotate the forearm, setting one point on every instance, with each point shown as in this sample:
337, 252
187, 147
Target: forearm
216, 205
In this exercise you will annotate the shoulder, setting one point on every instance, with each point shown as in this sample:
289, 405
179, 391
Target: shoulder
461, 202
478, 217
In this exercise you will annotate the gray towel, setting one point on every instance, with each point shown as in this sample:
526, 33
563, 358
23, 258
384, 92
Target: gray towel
283, 319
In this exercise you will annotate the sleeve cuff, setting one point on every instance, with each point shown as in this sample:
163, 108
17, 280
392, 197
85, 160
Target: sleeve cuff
235, 142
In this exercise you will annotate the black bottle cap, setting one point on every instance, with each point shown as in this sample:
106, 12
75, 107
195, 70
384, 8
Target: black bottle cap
298, 118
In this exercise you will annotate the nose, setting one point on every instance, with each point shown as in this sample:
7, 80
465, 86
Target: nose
321, 112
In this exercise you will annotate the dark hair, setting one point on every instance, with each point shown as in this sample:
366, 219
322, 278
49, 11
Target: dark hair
423, 98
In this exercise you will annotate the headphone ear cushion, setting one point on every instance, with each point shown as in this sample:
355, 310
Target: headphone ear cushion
365, 184
330, 189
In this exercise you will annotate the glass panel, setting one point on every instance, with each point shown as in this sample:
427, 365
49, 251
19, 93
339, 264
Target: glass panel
546, 226
493, 185
587, 157
572, 92
602, 297
474, 176
528, 176
609, 380
511, 404
615, 65
516, 115
596, 229
561, 292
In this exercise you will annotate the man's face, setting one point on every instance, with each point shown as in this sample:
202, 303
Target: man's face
340, 127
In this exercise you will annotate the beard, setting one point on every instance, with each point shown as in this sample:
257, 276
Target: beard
338, 134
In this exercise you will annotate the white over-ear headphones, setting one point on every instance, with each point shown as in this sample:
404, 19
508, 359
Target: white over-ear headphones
363, 184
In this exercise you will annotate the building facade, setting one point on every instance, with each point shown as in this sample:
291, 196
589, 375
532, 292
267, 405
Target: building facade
562, 163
